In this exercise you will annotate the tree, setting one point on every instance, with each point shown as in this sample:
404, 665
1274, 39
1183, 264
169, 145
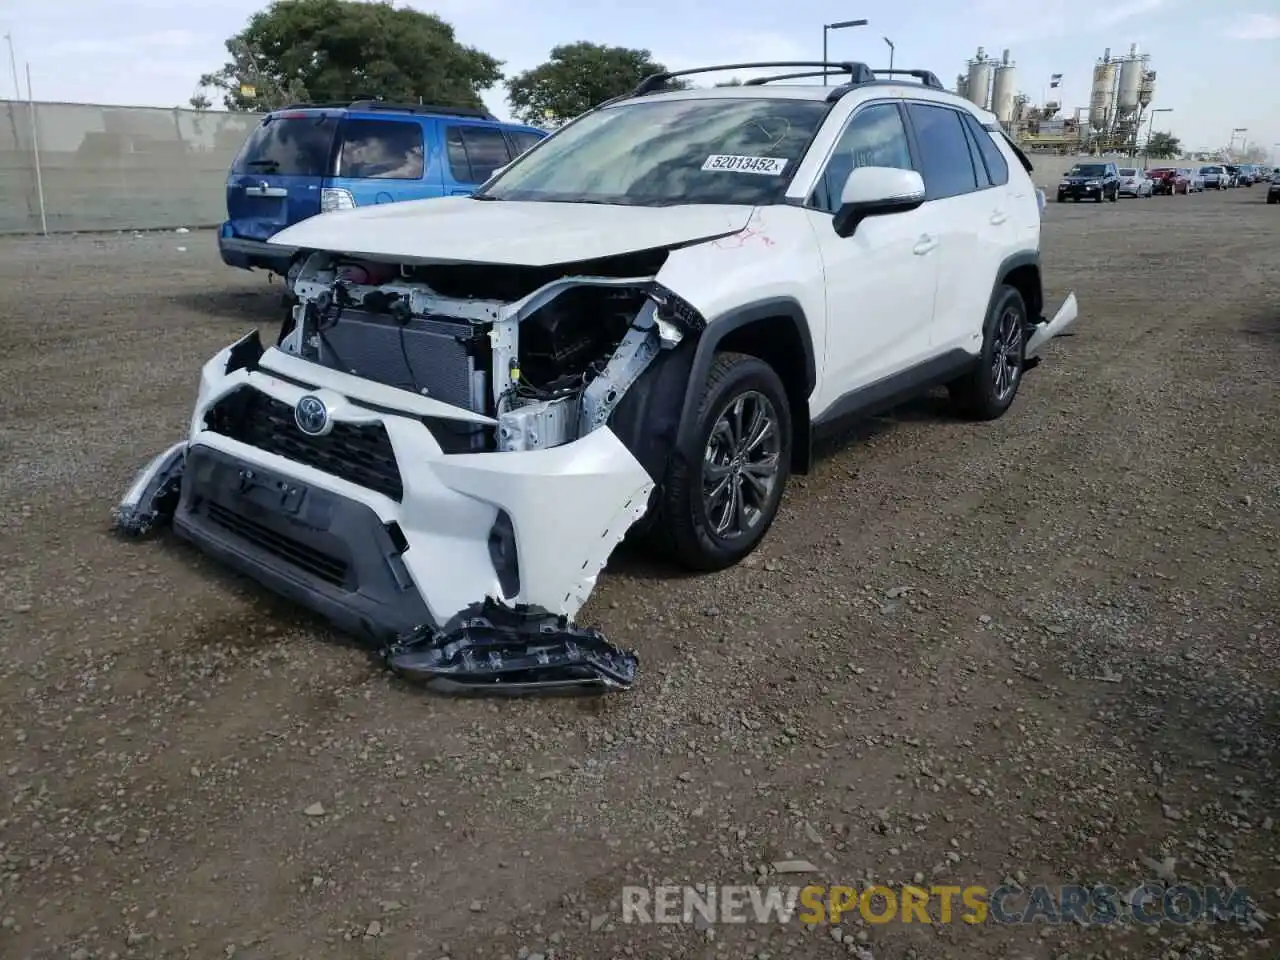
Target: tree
731, 82
343, 50
577, 77
1162, 146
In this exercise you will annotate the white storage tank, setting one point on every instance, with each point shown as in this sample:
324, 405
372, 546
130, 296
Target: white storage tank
978, 87
1103, 93
1129, 91
1004, 90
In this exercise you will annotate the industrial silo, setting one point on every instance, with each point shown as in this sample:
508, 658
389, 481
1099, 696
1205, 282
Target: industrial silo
1129, 92
1147, 91
1101, 99
978, 88
1003, 90
962, 85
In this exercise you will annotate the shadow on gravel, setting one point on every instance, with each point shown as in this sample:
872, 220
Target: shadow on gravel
255, 305
1263, 326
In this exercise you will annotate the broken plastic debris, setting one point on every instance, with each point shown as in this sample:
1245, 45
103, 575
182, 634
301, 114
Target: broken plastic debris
496, 649
153, 495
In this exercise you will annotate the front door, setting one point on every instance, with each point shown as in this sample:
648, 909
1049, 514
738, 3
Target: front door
880, 281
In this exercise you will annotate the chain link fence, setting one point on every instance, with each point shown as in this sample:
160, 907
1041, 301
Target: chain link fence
115, 168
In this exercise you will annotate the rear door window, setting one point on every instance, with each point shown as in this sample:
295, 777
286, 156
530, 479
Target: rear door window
997, 166
381, 150
298, 145
944, 151
475, 152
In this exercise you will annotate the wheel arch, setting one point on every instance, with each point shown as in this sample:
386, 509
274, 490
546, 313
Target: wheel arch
1022, 272
775, 331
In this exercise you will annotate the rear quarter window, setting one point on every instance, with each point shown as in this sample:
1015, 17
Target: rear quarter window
381, 150
992, 157
289, 145
475, 152
523, 141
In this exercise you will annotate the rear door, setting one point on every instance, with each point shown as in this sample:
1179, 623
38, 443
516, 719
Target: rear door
384, 160
972, 224
276, 178
473, 151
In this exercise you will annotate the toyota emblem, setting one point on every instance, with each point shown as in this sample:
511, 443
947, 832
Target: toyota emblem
312, 416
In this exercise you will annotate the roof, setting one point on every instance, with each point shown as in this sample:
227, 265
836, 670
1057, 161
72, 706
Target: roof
816, 92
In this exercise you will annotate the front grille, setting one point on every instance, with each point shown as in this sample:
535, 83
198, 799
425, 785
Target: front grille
359, 453
319, 564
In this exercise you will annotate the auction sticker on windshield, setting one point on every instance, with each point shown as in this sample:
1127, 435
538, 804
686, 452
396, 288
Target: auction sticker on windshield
769, 166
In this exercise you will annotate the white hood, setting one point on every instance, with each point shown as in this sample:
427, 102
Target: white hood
463, 230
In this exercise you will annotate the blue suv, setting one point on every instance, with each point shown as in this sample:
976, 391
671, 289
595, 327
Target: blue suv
308, 159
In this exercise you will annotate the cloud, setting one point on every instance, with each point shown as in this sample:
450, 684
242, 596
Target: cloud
1256, 26
1047, 19
138, 43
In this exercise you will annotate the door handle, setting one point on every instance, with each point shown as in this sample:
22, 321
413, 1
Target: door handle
265, 191
924, 245
998, 218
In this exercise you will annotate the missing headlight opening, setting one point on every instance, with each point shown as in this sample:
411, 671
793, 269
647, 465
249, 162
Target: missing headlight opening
549, 365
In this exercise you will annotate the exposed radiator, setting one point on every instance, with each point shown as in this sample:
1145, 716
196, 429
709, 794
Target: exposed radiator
431, 357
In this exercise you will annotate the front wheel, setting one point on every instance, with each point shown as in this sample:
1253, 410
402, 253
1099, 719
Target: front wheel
987, 391
720, 496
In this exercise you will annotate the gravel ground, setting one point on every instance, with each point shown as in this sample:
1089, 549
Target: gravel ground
1042, 648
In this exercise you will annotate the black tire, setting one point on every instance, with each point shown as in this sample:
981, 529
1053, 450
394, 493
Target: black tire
1115, 196
683, 527
977, 395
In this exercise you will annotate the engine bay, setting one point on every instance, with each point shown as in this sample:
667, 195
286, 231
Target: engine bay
547, 358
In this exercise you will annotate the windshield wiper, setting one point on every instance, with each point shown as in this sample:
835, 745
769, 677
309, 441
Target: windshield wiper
484, 196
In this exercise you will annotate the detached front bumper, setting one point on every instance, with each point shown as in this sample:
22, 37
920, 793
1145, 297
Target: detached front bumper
379, 530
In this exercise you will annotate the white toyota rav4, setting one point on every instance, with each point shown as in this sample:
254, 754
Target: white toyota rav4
644, 321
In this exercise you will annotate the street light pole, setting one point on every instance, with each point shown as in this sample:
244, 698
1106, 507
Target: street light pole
890, 43
1151, 126
827, 27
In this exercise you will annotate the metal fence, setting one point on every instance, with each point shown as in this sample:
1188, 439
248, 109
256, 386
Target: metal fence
114, 168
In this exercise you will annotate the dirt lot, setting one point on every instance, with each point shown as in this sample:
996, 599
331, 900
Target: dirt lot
1043, 648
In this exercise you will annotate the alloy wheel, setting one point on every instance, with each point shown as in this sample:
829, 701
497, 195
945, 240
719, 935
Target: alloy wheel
1006, 355
740, 465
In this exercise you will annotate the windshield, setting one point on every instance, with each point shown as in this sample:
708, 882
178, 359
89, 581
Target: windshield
298, 144
1128, 172
663, 152
1210, 169
1087, 170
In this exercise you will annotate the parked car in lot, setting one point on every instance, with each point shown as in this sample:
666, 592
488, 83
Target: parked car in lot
1135, 182
1232, 173
1192, 181
1273, 188
1090, 181
648, 319
306, 160
1215, 177
1166, 181
1248, 175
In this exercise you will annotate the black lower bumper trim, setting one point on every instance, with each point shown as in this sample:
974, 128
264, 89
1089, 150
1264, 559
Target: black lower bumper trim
322, 551
494, 649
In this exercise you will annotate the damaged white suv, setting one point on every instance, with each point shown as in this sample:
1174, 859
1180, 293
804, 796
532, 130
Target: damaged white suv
645, 321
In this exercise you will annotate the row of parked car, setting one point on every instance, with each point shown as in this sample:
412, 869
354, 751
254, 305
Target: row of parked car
1107, 181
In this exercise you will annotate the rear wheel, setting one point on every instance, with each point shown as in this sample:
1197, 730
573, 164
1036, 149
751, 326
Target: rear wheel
721, 494
987, 391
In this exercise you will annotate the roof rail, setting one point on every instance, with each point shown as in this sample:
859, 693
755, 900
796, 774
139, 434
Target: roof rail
334, 105
422, 108
860, 72
760, 81
924, 76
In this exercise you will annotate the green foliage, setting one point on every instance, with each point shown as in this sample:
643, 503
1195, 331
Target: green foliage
342, 50
1162, 146
577, 77
731, 82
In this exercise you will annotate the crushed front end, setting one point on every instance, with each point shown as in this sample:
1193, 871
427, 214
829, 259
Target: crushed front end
426, 459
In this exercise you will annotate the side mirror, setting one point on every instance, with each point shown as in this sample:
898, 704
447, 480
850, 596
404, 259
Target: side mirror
875, 192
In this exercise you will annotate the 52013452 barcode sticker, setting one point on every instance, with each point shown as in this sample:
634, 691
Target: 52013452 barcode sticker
769, 166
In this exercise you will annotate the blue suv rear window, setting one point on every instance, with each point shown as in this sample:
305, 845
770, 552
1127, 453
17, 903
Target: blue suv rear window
381, 150
289, 145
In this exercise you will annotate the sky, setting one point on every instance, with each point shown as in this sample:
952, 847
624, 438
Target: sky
1216, 64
